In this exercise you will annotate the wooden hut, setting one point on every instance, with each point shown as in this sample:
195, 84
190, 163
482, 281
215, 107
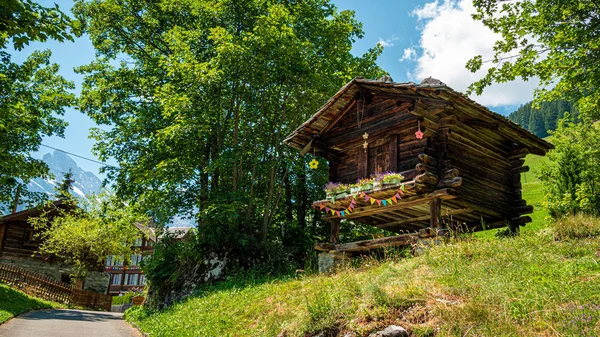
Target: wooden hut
460, 161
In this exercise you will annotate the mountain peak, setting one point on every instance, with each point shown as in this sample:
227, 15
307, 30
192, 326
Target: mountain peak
85, 182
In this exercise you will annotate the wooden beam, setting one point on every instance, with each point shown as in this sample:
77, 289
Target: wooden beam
359, 212
422, 218
398, 240
435, 208
482, 123
334, 236
306, 149
324, 247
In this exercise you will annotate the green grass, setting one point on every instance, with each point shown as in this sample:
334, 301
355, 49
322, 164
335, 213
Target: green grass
542, 283
14, 302
522, 286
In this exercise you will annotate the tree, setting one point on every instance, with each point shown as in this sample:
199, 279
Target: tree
204, 95
85, 237
557, 42
63, 190
571, 177
32, 95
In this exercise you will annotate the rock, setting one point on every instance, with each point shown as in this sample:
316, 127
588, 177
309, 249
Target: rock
391, 331
329, 261
432, 81
386, 79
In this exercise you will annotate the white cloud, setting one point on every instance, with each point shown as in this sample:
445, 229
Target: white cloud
449, 38
388, 42
410, 54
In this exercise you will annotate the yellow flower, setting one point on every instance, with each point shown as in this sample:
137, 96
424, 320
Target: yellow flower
313, 164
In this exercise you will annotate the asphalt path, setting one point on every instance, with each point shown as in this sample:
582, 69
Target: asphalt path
68, 323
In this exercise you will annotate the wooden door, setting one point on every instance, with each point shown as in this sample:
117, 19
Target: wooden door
381, 156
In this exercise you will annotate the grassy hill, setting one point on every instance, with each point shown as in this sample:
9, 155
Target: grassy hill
14, 302
542, 283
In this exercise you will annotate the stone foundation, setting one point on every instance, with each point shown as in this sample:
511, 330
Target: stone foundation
329, 261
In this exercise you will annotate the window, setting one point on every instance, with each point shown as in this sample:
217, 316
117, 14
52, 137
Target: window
65, 278
29, 238
136, 259
142, 279
116, 279
133, 279
138, 242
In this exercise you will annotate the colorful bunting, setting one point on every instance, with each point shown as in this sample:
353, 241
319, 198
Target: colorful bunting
352, 205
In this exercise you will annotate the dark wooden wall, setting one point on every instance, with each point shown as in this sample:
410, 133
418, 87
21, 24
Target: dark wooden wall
456, 137
17, 238
392, 143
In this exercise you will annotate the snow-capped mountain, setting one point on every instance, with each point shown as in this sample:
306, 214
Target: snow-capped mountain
85, 183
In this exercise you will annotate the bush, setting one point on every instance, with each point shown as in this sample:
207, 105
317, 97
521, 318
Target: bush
571, 178
576, 227
124, 298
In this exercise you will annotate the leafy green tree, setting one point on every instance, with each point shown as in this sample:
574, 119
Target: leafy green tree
201, 100
84, 237
571, 178
32, 95
557, 42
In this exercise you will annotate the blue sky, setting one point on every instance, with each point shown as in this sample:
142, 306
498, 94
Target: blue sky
421, 38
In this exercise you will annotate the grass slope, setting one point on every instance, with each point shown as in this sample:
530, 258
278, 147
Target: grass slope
14, 302
530, 285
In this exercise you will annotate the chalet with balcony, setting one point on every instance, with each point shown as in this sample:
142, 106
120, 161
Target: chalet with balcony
459, 163
126, 274
19, 246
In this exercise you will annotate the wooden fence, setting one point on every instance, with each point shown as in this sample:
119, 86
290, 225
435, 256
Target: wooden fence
45, 287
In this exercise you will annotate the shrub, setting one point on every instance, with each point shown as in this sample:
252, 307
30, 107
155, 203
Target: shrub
571, 178
124, 298
576, 227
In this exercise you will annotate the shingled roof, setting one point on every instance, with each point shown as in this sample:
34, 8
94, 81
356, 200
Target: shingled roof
430, 89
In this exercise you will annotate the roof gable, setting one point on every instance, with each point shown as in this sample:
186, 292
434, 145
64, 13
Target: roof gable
430, 91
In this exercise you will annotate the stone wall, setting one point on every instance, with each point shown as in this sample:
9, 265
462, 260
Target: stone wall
95, 281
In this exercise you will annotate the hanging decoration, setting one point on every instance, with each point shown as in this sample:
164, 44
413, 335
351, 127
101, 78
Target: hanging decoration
366, 144
419, 134
368, 198
313, 164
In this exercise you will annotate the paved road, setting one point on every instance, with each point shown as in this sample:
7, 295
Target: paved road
68, 323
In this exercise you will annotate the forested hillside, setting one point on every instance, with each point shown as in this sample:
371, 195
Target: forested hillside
540, 121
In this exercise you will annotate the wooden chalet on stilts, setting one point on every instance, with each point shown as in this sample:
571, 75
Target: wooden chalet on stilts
460, 161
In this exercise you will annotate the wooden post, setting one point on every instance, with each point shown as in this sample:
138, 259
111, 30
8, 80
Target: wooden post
435, 210
334, 237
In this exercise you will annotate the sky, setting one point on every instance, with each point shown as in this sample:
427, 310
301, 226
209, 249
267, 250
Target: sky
422, 38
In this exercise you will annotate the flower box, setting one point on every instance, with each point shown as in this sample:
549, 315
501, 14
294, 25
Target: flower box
394, 181
366, 187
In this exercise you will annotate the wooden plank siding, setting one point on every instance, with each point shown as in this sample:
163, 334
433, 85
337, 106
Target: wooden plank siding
466, 167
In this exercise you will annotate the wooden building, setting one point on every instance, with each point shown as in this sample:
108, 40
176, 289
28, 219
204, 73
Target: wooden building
17, 235
460, 161
19, 247
126, 274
